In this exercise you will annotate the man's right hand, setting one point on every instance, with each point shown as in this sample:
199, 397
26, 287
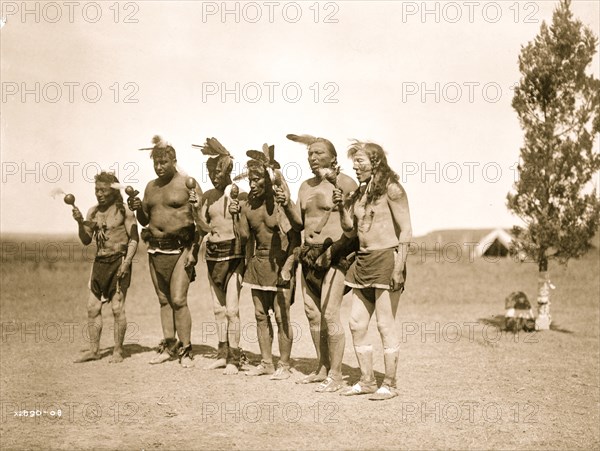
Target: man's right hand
338, 196
193, 200
323, 261
77, 215
280, 196
234, 207
134, 203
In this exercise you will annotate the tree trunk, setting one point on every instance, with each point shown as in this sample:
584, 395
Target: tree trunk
543, 320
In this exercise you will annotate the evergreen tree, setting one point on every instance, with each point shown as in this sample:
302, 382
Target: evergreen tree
558, 104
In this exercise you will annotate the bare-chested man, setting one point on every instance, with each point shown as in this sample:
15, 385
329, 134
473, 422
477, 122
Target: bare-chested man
224, 255
173, 247
322, 286
275, 241
115, 231
378, 213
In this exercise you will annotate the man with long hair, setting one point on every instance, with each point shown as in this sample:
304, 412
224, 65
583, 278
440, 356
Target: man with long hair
115, 231
271, 281
173, 244
323, 258
378, 214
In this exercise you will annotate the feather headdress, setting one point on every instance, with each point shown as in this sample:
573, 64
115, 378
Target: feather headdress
217, 152
266, 160
266, 157
212, 147
159, 143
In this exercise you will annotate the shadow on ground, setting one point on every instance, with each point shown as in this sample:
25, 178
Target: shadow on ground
498, 322
302, 365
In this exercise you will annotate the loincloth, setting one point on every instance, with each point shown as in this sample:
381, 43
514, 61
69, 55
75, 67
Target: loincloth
223, 258
165, 252
373, 269
313, 274
104, 280
262, 272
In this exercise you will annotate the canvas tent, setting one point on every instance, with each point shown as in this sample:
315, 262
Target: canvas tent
496, 243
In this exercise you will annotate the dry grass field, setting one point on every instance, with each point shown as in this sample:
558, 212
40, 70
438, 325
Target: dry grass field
463, 383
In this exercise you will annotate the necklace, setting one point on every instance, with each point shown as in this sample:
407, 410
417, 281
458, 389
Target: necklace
366, 221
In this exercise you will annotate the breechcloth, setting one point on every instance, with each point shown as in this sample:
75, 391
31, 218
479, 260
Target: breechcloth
103, 280
314, 275
222, 259
165, 252
263, 270
372, 269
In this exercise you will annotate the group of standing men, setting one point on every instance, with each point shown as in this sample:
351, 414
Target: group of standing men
355, 237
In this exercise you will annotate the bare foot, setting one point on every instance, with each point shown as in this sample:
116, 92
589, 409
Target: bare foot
116, 357
230, 369
219, 363
87, 357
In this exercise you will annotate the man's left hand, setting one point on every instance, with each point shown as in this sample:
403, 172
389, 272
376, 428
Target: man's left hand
190, 260
123, 270
397, 282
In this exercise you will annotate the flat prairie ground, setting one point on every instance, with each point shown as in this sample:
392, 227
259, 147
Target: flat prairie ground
463, 382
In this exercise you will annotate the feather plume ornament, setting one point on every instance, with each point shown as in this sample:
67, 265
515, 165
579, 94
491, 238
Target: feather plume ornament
159, 143
266, 157
212, 147
302, 139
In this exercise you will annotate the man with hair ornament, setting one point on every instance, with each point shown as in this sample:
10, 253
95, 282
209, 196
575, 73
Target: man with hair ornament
224, 253
173, 243
114, 229
323, 256
270, 272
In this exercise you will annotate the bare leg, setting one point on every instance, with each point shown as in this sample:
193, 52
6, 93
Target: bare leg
94, 310
333, 293
234, 287
318, 334
285, 333
386, 309
362, 309
166, 311
180, 283
263, 300
218, 298
118, 308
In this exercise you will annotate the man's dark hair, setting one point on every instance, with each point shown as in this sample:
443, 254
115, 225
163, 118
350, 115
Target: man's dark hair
111, 179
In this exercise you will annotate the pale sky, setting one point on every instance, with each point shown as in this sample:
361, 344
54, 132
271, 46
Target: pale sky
383, 62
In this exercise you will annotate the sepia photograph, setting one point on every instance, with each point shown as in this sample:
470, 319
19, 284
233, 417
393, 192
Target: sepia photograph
300, 225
